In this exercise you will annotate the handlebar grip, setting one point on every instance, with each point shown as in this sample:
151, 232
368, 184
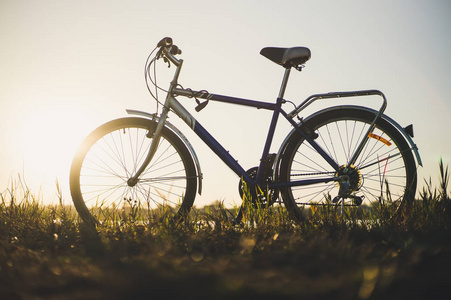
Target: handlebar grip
175, 50
165, 42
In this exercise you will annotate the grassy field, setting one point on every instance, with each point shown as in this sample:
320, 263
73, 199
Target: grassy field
47, 253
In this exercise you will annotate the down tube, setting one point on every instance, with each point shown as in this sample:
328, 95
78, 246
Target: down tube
221, 152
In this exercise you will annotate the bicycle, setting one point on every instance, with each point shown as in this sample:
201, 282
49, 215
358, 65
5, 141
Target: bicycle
344, 155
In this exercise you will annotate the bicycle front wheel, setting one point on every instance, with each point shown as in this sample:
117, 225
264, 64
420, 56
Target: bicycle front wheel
112, 154
384, 174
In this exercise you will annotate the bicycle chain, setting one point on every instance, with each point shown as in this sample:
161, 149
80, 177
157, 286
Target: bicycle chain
314, 174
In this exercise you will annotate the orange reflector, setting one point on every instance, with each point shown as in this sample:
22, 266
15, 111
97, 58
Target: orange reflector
379, 138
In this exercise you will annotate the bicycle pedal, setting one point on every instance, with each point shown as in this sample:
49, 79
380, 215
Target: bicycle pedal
357, 200
336, 199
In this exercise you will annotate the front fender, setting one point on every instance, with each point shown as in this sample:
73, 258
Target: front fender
180, 135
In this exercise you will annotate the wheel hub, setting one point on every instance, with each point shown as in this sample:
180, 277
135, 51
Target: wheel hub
132, 181
354, 177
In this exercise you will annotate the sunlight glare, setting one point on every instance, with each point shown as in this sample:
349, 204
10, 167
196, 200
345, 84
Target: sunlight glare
49, 139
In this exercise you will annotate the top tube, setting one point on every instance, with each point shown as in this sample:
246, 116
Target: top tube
225, 99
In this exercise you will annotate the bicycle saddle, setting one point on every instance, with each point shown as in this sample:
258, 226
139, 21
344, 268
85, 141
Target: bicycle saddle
287, 57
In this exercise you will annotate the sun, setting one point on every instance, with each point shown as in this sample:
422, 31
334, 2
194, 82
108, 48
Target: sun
49, 139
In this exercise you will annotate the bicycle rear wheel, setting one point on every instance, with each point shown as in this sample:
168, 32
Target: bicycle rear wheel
112, 154
384, 174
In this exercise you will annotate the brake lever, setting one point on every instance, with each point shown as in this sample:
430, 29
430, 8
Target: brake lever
160, 55
167, 61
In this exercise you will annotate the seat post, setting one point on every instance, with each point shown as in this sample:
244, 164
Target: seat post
286, 75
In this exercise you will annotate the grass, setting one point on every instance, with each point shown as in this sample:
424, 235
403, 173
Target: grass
47, 252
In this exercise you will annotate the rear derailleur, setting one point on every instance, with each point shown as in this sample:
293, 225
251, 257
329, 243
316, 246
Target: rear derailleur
349, 180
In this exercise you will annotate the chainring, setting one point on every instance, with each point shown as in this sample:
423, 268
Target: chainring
262, 196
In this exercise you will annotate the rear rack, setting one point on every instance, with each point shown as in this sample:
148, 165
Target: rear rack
315, 97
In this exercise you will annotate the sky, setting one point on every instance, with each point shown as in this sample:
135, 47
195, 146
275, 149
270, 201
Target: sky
67, 67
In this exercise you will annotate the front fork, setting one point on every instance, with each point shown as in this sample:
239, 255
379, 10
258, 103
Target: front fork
156, 135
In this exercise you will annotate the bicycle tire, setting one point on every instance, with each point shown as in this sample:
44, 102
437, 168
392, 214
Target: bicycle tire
384, 173
112, 153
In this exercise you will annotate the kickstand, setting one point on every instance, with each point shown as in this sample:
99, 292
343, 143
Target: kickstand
342, 208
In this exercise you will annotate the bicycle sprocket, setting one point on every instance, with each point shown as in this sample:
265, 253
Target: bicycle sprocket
261, 196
